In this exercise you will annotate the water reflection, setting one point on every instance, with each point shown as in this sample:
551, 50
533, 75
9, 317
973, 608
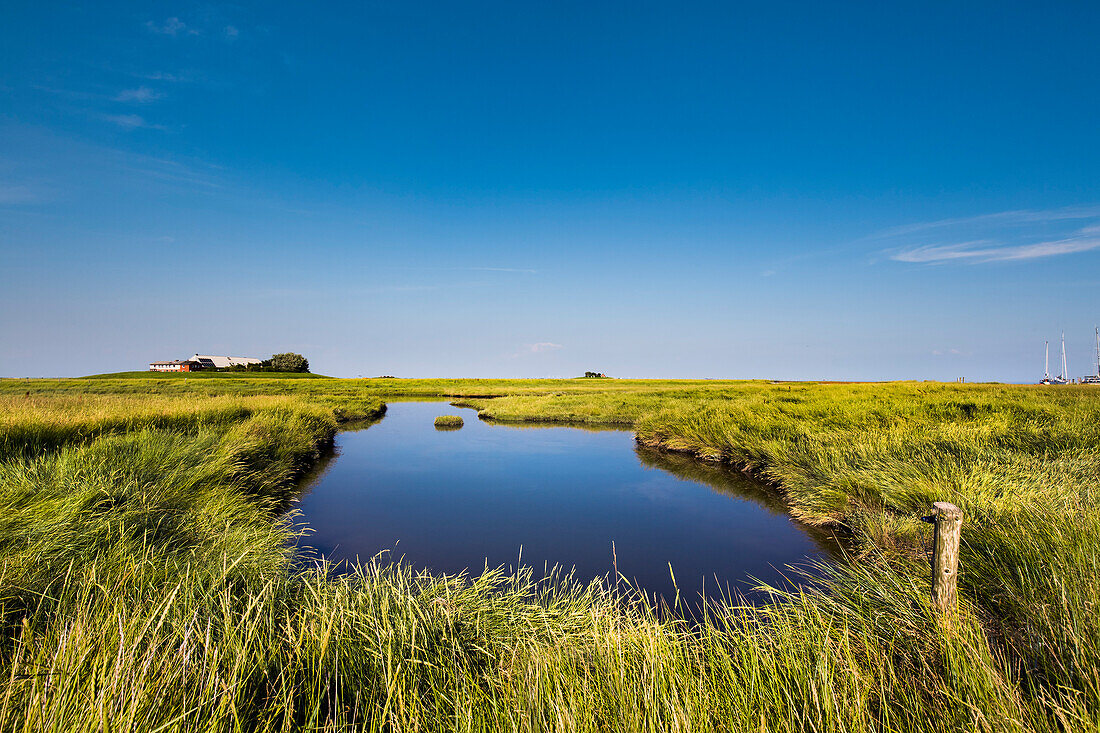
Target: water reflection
737, 484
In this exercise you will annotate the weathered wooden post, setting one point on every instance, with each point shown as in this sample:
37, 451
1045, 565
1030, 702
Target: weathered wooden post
945, 557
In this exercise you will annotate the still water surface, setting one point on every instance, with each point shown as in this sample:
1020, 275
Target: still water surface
460, 499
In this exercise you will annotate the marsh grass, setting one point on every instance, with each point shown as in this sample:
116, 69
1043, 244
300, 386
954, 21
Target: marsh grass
147, 576
448, 422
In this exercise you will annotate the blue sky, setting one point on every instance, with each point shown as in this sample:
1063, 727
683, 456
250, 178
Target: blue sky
785, 190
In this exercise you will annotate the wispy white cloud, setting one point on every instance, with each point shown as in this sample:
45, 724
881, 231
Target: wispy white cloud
44, 167
131, 122
541, 347
976, 252
159, 76
999, 237
103, 105
1019, 216
182, 77
141, 95
171, 27
211, 28
196, 176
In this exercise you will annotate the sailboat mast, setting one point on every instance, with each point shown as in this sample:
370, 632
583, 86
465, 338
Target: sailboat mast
1098, 352
1046, 364
1065, 372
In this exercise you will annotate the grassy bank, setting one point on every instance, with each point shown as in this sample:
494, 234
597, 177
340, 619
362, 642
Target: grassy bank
146, 578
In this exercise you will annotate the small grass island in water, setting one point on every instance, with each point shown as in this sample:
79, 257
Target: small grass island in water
448, 422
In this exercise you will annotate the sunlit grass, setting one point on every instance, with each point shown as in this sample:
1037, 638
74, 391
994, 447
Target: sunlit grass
448, 422
147, 579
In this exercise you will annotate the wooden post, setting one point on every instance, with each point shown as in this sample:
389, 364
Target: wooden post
945, 557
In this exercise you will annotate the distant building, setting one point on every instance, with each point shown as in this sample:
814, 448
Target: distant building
223, 362
176, 365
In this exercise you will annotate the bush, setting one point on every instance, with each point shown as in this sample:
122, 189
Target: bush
289, 362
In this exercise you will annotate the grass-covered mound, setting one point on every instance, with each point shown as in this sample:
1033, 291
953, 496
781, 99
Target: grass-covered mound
147, 579
448, 422
206, 374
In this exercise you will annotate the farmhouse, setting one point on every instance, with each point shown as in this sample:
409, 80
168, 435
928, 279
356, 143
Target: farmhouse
223, 362
202, 361
176, 365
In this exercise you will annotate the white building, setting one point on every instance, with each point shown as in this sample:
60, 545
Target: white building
175, 365
224, 362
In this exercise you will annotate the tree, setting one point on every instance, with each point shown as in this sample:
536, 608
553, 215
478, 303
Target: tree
289, 363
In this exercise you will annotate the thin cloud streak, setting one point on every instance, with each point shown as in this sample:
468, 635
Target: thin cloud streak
180, 77
131, 122
1006, 236
141, 95
973, 252
194, 173
541, 347
1020, 216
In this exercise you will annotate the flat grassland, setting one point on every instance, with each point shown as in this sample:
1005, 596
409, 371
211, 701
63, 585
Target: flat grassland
148, 580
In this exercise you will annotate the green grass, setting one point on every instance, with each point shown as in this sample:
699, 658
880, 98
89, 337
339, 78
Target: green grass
147, 579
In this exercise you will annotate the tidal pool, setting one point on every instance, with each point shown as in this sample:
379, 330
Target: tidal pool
465, 499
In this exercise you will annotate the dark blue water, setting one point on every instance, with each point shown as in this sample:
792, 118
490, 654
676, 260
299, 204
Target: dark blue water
460, 499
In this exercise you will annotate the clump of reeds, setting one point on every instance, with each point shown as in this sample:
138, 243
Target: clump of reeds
448, 422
